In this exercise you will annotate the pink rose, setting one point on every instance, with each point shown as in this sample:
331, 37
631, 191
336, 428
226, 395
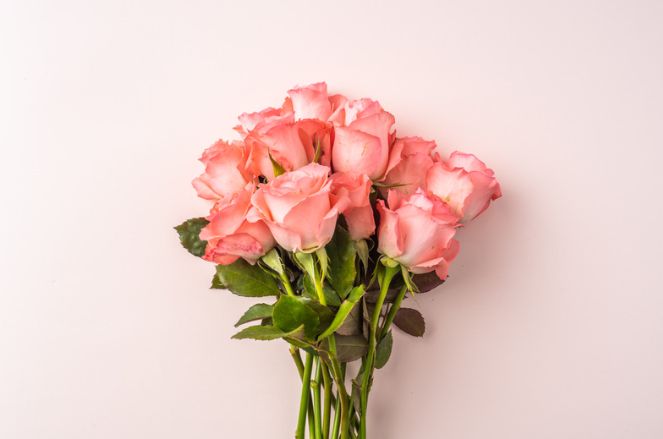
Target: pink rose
230, 236
226, 171
311, 102
418, 233
262, 121
464, 183
298, 208
361, 138
409, 160
355, 190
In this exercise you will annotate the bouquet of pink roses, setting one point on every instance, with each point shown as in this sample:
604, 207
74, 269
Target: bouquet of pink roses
322, 207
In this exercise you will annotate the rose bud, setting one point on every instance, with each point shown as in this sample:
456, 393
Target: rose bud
298, 208
464, 183
418, 232
226, 171
230, 236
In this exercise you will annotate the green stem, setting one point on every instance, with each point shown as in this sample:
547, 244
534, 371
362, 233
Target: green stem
337, 419
317, 408
388, 275
327, 400
392, 312
305, 396
286, 284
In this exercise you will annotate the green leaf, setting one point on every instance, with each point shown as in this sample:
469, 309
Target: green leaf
350, 347
276, 167
260, 332
293, 312
308, 290
247, 280
189, 231
411, 321
342, 267
383, 351
273, 260
427, 281
216, 283
256, 312
343, 311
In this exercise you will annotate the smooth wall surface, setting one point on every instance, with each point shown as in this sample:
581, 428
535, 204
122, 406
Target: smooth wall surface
551, 326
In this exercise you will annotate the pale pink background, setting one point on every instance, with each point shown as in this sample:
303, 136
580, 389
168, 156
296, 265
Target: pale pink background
551, 326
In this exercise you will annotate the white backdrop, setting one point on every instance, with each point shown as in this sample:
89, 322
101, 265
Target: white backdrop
551, 326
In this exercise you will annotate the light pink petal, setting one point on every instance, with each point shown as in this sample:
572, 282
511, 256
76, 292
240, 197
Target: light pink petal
311, 102
357, 152
390, 238
360, 220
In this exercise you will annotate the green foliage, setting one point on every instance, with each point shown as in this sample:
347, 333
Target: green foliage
245, 279
350, 347
342, 267
410, 321
294, 312
262, 332
188, 232
344, 310
256, 312
383, 351
308, 290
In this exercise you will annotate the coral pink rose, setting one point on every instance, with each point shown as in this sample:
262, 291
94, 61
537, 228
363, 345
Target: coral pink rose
464, 183
358, 213
418, 233
409, 160
298, 208
262, 121
361, 138
311, 102
226, 171
230, 236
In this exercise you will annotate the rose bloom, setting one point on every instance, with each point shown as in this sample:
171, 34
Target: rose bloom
298, 208
409, 160
418, 232
226, 171
230, 236
291, 136
358, 213
465, 183
362, 136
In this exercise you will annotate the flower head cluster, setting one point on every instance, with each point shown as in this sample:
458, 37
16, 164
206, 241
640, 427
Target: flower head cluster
319, 157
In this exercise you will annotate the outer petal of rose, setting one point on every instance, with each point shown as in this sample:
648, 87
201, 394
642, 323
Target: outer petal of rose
285, 146
357, 152
326, 230
450, 186
468, 162
378, 125
442, 269
311, 102
485, 188
218, 258
390, 241
284, 237
361, 223
337, 102
423, 238
306, 219
410, 173
226, 219
242, 245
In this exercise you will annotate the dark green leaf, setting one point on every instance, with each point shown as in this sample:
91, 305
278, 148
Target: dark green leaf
260, 332
352, 324
350, 347
383, 351
292, 312
245, 279
343, 311
258, 311
411, 321
427, 281
189, 231
342, 267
